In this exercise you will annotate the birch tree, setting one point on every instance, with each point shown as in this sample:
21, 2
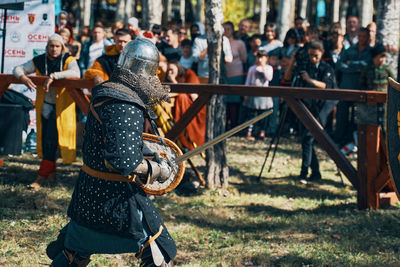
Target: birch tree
124, 10
335, 10
344, 4
217, 167
263, 15
388, 24
151, 13
285, 16
303, 8
366, 12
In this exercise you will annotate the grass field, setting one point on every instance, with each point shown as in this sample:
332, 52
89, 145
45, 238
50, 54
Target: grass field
275, 222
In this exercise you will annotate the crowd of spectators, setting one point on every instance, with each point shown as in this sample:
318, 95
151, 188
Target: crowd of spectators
305, 58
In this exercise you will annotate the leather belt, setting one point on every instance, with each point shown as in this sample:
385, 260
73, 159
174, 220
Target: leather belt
108, 175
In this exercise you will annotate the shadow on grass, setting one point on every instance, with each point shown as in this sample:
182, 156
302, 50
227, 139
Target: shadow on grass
288, 187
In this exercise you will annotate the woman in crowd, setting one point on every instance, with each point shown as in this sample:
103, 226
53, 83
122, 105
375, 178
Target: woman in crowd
270, 41
235, 73
196, 129
71, 46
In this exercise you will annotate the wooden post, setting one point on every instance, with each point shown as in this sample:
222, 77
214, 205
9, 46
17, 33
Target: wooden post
373, 173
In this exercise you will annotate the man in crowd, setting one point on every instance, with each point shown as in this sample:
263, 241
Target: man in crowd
349, 67
352, 27
94, 48
243, 32
171, 48
55, 108
110, 213
102, 67
133, 26
317, 74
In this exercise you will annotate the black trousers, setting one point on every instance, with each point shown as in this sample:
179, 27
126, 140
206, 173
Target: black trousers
309, 157
50, 136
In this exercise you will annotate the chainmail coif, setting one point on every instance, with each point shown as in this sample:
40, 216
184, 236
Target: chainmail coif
127, 86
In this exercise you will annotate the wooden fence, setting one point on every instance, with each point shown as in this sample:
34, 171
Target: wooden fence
372, 173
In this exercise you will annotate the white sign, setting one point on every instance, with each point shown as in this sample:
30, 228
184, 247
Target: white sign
27, 32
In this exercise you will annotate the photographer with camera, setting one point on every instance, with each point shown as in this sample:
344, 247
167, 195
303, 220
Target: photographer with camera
318, 74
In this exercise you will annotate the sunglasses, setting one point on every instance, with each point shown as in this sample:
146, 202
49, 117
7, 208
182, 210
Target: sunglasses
156, 33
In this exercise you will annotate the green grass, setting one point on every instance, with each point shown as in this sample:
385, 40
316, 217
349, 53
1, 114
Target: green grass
275, 222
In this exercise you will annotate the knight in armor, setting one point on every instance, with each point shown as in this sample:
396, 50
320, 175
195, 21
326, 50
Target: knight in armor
109, 212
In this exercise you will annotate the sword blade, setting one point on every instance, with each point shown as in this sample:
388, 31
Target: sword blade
221, 137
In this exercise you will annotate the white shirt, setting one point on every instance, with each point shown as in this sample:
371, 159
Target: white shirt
95, 51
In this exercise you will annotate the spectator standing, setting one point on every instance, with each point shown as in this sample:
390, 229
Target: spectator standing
255, 43
290, 43
372, 33
133, 26
196, 129
349, 67
235, 74
84, 35
55, 108
374, 77
158, 34
103, 66
186, 59
62, 22
171, 48
93, 49
72, 47
259, 74
317, 74
270, 41
200, 54
352, 27
196, 30
334, 48
182, 34
243, 32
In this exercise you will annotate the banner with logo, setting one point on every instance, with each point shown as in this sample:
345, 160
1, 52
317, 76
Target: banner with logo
27, 32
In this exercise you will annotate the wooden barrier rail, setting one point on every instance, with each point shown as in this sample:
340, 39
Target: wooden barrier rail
363, 179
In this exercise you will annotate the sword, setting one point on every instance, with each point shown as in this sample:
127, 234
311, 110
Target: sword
220, 138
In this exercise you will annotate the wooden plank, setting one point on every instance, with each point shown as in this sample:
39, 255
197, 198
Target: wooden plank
370, 97
372, 160
311, 123
39, 80
190, 113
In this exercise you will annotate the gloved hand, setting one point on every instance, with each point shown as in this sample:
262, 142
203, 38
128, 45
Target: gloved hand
163, 172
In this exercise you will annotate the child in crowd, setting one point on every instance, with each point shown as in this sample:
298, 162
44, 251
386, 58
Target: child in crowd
374, 77
259, 74
186, 59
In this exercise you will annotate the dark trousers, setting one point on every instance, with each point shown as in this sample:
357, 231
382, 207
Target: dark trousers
50, 137
345, 125
309, 157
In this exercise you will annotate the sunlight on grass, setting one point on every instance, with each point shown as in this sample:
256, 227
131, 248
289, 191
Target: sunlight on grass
276, 221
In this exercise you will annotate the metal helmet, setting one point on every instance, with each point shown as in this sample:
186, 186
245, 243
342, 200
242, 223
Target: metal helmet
140, 56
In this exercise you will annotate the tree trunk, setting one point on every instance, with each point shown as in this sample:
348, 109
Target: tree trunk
263, 15
303, 9
182, 10
165, 14
286, 8
86, 10
217, 168
124, 10
343, 14
335, 10
199, 14
151, 13
388, 24
366, 10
